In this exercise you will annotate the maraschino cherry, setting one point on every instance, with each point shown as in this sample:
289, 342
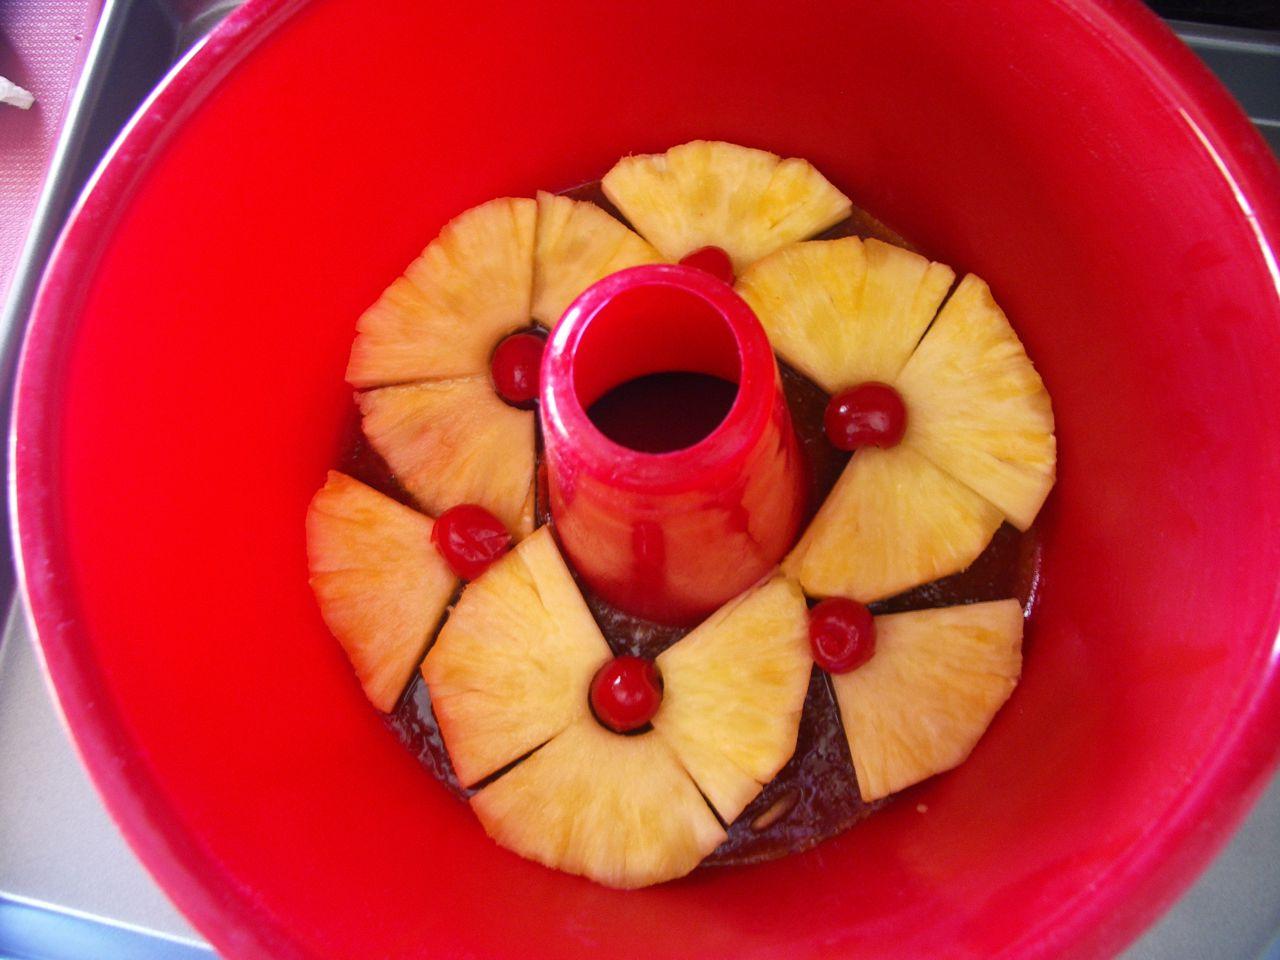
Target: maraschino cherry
516, 368
470, 539
868, 415
842, 635
711, 259
626, 692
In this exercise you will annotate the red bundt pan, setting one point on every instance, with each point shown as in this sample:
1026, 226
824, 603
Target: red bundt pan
181, 396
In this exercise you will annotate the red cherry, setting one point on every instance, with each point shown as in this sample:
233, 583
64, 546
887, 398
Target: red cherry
842, 634
870, 414
516, 368
626, 692
713, 260
469, 538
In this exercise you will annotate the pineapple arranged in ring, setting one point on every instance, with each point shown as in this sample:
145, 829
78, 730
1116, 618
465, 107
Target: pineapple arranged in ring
845, 311
734, 690
429, 351
512, 672
631, 771
974, 444
442, 403
508, 671
892, 522
619, 810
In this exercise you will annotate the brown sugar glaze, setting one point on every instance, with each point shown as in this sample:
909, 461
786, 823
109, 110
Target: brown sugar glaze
815, 795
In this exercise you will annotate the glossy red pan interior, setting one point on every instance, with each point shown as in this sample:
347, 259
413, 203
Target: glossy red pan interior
181, 397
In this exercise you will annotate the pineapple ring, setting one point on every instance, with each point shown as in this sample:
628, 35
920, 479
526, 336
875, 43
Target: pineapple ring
979, 445
422, 351
979, 448
892, 522
506, 671
509, 677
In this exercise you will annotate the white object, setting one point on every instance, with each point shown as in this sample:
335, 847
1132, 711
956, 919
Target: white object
14, 95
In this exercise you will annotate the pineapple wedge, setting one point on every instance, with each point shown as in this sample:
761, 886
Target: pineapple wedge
468, 289
708, 193
978, 409
892, 522
619, 810
453, 441
937, 678
733, 692
577, 244
843, 312
381, 585
514, 662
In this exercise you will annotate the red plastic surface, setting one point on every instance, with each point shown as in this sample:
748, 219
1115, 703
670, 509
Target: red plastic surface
669, 536
181, 397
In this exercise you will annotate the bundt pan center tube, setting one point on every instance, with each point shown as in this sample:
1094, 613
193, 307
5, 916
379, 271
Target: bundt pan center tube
668, 536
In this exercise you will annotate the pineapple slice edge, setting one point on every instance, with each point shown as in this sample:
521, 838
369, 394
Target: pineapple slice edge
868, 541
977, 406
455, 441
383, 605
845, 311
576, 804
511, 667
734, 690
749, 202
920, 705
576, 243
441, 318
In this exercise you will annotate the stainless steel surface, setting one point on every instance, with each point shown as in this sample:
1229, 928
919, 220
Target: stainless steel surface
58, 847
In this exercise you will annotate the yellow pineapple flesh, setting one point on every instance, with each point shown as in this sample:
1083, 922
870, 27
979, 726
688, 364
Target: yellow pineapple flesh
617, 809
454, 441
930, 691
892, 522
381, 585
709, 193
733, 691
469, 288
843, 312
977, 408
514, 662
577, 244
